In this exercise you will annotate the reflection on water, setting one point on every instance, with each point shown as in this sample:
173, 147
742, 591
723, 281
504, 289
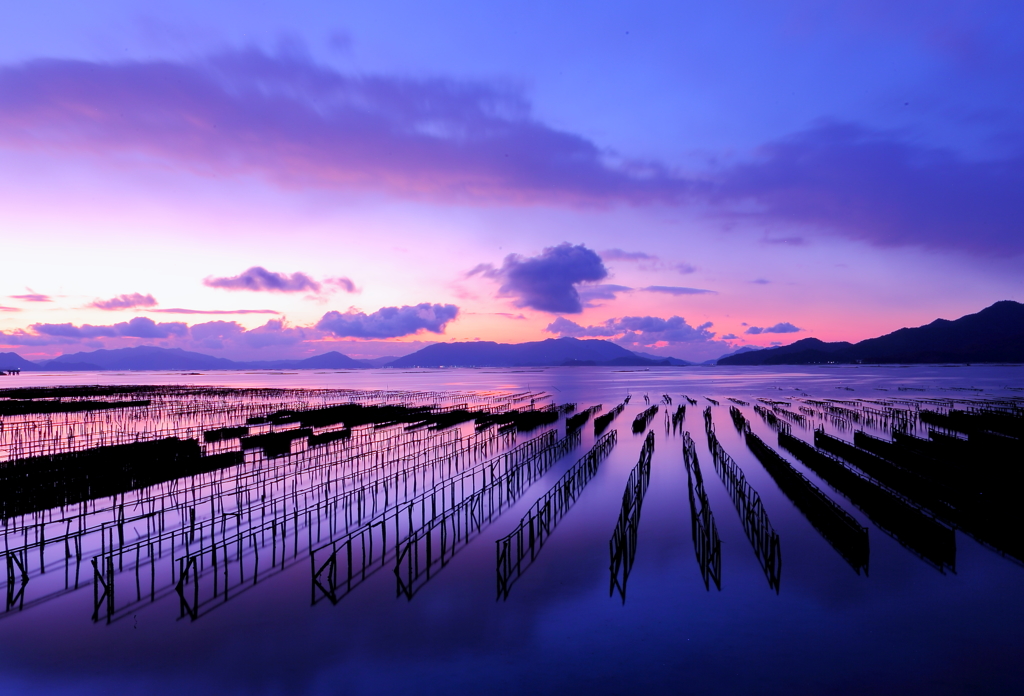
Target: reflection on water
161, 504
706, 542
748, 504
623, 542
518, 549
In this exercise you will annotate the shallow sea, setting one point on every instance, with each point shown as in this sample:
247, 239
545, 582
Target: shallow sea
896, 624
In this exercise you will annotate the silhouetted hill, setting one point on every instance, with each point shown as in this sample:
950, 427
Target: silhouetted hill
11, 361
326, 361
154, 358
661, 359
744, 349
553, 351
143, 358
995, 334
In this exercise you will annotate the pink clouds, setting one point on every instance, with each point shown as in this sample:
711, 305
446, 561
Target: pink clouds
387, 322
32, 297
259, 279
131, 301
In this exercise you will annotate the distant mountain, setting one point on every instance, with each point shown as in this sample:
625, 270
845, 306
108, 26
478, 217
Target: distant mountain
154, 358
807, 351
13, 361
995, 334
661, 358
553, 351
744, 349
143, 358
380, 362
327, 361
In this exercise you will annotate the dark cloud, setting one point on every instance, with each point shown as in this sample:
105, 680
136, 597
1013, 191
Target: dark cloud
645, 261
676, 290
259, 279
620, 255
345, 284
125, 302
182, 310
389, 322
289, 120
781, 327
32, 297
292, 121
672, 336
882, 188
591, 294
729, 337
634, 329
567, 327
139, 327
547, 282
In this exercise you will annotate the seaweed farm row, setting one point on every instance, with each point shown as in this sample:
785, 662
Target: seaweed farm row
199, 494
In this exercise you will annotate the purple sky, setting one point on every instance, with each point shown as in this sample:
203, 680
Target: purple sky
682, 178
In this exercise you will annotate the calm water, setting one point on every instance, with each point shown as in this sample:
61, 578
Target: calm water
815, 624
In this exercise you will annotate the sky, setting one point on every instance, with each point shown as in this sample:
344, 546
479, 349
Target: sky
259, 180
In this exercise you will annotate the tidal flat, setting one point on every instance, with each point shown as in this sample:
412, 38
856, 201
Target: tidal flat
818, 530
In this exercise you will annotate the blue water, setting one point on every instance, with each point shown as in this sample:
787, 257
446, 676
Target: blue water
902, 627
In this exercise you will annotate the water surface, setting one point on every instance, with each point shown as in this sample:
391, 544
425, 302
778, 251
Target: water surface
901, 621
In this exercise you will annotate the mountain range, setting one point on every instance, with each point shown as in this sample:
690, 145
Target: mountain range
993, 335
553, 351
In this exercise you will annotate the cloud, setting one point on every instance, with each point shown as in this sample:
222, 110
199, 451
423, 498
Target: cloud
259, 279
32, 297
217, 335
547, 282
345, 284
760, 281
298, 123
295, 122
9, 309
676, 290
645, 261
389, 322
655, 335
653, 329
275, 333
781, 327
729, 337
139, 327
182, 310
125, 302
590, 294
620, 255
882, 188
567, 327
20, 337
